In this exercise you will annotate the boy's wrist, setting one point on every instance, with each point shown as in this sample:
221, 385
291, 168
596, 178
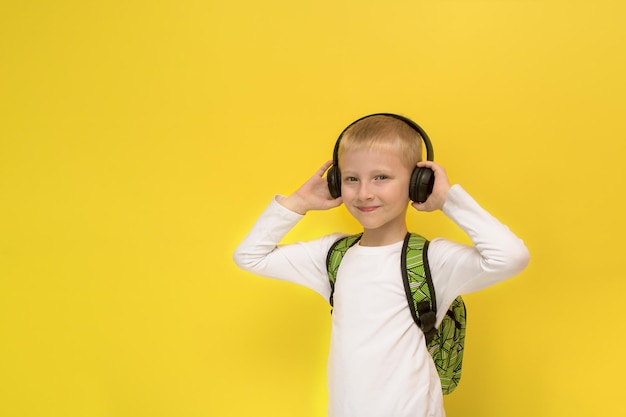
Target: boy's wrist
452, 198
293, 203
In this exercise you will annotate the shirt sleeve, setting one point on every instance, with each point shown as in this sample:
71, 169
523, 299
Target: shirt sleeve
303, 263
496, 254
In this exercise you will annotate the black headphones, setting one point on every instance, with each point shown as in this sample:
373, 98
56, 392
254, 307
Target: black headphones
422, 179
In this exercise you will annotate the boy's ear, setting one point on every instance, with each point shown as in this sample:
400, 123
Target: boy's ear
422, 182
334, 181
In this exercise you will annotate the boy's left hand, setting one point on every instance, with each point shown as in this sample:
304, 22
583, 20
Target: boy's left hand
440, 188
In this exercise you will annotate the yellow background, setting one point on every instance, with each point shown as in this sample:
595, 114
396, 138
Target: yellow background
139, 140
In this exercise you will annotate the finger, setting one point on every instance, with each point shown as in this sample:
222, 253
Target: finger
334, 203
427, 164
426, 206
324, 168
438, 170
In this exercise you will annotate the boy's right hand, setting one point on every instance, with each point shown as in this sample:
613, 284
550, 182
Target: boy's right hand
312, 195
437, 198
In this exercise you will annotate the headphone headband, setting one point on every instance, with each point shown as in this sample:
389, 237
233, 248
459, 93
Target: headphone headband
429, 147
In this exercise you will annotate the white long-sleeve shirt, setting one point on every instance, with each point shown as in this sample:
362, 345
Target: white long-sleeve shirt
378, 362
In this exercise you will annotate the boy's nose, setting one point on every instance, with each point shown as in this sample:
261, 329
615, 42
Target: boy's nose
365, 192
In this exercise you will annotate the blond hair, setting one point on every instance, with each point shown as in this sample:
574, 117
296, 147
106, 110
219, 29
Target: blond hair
384, 132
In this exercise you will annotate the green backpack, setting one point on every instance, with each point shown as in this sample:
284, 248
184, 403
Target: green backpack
445, 343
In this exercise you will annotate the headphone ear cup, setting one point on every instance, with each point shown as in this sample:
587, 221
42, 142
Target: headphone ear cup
334, 181
422, 182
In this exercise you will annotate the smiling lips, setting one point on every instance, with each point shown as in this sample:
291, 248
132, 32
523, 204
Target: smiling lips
367, 209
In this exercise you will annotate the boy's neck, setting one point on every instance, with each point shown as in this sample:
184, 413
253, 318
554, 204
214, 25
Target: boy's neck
383, 236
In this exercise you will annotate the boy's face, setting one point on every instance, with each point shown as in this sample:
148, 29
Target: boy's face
375, 187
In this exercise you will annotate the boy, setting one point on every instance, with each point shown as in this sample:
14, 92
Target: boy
378, 362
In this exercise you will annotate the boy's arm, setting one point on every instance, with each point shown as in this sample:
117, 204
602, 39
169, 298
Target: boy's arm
303, 263
496, 254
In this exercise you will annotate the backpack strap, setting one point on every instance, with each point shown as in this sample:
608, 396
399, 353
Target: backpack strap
418, 284
334, 257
